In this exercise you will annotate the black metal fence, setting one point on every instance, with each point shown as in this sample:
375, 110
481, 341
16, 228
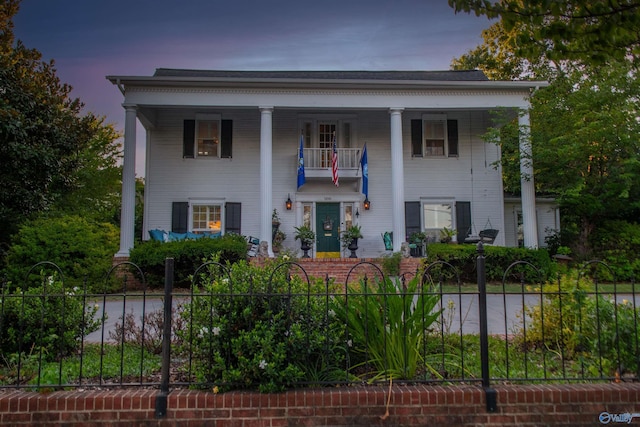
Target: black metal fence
275, 328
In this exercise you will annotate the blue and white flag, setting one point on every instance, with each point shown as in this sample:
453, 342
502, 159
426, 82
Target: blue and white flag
365, 172
301, 178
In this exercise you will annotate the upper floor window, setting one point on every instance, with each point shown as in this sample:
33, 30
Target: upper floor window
208, 138
208, 135
434, 136
319, 131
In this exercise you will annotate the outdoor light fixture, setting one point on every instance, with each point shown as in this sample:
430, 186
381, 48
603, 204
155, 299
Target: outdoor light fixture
367, 204
288, 203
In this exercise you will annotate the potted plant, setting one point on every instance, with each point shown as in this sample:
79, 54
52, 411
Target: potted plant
306, 236
446, 235
416, 243
350, 238
279, 237
275, 224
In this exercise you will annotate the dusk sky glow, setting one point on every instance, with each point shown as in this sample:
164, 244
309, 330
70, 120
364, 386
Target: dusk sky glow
90, 39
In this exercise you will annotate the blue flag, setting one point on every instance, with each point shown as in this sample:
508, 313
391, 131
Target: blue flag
365, 172
301, 178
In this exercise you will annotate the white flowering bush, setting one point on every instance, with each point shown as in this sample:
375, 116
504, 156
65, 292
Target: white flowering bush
249, 328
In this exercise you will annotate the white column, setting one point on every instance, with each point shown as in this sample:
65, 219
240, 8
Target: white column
266, 174
529, 221
397, 179
128, 208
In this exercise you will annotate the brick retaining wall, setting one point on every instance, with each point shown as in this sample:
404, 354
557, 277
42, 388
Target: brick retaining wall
535, 405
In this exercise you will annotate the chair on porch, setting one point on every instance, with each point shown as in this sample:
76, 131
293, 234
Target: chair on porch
488, 236
387, 238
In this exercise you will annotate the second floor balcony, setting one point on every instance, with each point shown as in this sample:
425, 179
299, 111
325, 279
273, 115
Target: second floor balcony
317, 162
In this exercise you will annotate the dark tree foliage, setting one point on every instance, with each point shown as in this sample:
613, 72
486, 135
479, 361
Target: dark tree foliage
589, 31
48, 148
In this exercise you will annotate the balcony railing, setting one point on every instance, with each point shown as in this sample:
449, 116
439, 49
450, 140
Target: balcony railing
320, 158
317, 162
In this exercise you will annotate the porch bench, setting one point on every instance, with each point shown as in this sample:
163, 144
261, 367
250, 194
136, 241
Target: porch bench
170, 236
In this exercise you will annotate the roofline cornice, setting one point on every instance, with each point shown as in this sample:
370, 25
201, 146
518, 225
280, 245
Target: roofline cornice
168, 81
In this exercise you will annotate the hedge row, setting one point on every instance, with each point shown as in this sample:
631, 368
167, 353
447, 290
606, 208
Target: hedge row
188, 255
497, 261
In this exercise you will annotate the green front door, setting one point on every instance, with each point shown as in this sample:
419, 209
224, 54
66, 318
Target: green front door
327, 230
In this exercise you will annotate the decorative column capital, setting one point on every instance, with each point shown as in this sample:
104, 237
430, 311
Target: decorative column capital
396, 110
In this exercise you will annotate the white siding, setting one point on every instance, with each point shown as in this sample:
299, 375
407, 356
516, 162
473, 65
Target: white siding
469, 177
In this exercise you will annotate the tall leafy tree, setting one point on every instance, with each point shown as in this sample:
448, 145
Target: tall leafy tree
49, 149
584, 129
588, 31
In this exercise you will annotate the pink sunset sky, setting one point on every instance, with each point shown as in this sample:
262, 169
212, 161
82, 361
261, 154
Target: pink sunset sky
90, 39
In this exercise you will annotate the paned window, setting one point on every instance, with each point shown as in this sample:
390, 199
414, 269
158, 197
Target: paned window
434, 136
436, 216
307, 212
206, 217
348, 215
208, 138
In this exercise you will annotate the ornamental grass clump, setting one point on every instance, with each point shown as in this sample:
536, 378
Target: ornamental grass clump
387, 326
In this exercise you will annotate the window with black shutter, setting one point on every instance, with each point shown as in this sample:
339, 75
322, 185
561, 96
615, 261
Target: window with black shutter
233, 217
463, 220
207, 136
434, 136
412, 218
180, 217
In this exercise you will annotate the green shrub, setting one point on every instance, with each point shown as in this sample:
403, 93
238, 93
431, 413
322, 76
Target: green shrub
251, 329
617, 243
391, 264
497, 260
49, 318
188, 255
584, 327
81, 248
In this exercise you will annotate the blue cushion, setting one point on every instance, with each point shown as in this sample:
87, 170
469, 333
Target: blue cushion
173, 237
194, 236
158, 235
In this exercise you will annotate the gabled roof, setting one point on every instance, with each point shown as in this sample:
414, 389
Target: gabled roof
462, 75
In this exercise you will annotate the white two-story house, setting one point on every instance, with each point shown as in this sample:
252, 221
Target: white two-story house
223, 150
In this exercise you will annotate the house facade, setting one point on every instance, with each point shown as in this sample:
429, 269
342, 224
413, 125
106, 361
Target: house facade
225, 149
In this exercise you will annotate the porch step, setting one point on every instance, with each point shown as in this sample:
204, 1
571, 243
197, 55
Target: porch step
338, 268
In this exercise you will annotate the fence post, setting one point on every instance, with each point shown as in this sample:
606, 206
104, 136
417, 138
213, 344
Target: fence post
161, 399
489, 393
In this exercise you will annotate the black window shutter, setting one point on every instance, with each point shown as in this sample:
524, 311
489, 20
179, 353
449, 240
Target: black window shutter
463, 220
232, 217
412, 218
188, 139
226, 138
416, 138
179, 217
452, 134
